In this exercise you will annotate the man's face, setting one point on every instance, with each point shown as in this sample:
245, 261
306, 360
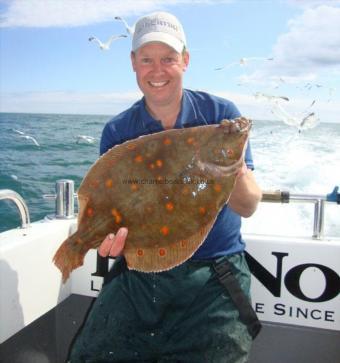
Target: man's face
159, 71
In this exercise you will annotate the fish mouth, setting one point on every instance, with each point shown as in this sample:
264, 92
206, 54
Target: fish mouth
239, 124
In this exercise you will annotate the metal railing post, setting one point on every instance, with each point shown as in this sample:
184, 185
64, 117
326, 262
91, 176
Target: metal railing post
64, 207
20, 203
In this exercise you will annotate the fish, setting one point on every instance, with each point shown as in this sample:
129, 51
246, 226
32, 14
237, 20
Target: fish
167, 188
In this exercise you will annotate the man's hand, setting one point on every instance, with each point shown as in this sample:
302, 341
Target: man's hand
113, 245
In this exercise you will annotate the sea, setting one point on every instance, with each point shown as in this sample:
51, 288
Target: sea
306, 162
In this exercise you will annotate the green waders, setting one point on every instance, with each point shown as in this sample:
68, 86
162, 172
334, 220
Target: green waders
182, 315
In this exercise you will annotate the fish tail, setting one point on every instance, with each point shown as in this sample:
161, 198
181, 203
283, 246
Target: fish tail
68, 257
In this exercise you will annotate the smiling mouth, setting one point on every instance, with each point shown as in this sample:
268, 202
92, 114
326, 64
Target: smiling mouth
158, 84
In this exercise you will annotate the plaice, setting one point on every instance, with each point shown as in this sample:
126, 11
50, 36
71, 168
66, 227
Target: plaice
166, 188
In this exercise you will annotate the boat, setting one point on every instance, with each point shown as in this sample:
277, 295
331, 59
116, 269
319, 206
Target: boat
295, 286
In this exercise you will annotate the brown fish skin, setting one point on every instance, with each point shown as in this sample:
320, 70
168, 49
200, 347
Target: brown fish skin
166, 188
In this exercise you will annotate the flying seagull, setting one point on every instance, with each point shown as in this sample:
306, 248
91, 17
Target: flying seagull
259, 95
88, 139
106, 46
18, 132
28, 137
129, 29
243, 61
300, 122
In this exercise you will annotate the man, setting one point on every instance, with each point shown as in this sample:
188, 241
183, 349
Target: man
185, 314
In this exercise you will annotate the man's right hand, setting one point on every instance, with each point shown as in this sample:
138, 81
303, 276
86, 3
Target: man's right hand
113, 245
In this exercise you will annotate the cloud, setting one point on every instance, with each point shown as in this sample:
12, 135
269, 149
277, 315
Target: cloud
313, 40
72, 13
313, 3
310, 48
68, 102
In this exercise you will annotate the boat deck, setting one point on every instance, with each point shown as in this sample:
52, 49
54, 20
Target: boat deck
47, 340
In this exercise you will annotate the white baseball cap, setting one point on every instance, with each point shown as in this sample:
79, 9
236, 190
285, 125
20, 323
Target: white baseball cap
159, 27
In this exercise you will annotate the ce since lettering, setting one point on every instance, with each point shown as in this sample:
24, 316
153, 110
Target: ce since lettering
306, 313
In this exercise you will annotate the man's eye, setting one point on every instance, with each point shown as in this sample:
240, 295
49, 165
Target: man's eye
146, 61
168, 60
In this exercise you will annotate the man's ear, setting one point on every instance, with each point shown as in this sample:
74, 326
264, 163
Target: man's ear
133, 60
186, 59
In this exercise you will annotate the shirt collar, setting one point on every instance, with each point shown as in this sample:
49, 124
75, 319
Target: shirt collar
188, 115
148, 122
186, 118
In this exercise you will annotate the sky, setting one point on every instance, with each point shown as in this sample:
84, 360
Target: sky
48, 65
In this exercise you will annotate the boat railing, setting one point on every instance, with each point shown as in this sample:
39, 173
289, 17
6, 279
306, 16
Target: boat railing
64, 199
20, 203
319, 202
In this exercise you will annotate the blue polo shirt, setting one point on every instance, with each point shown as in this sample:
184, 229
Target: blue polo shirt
198, 108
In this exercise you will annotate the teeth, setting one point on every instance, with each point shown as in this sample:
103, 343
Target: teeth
158, 84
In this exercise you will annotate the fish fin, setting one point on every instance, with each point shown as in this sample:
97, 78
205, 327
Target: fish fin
68, 257
82, 202
163, 259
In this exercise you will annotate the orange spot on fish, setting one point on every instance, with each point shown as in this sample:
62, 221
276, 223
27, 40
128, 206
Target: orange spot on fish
167, 141
183, 243
190, 140
217, 188
159, 163
185, 190
169, 206
117, 216
162, 252
108, 183
79, 241
89, 212
134, 187
140, 252
131, 146
165, 230
202, 210
138, 158
151, 166
230, 152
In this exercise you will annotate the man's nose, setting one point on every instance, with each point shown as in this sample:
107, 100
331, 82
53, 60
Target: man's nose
158, 67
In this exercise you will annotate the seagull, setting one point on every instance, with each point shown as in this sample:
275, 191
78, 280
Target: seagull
309, 121
88, 139
106, 46
18, 132
243, 61
301, 123
129, 29
28, 137
259, 95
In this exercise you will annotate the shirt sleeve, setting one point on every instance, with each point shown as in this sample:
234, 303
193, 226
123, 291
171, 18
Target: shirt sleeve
110, 138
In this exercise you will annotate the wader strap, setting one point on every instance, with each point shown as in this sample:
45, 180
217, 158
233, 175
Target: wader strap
228, 280
119, 266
